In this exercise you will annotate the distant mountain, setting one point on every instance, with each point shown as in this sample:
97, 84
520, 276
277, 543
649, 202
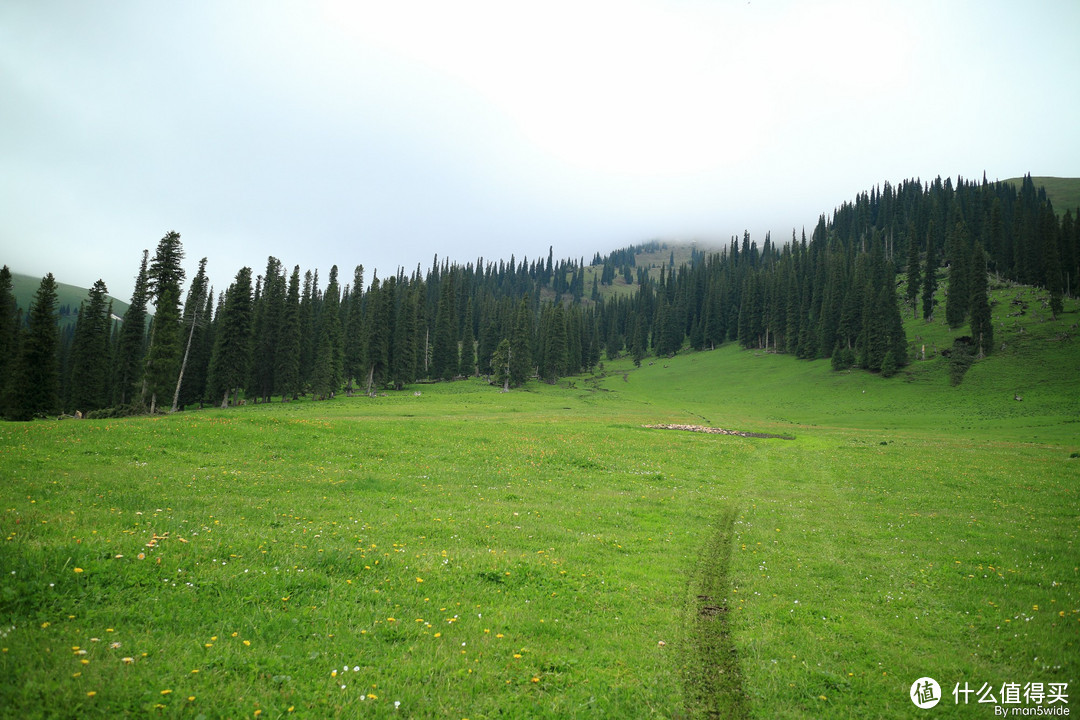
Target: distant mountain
1063, 193
68, 296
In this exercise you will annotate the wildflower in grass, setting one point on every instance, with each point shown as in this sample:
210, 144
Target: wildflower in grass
91, 693
127, 660
166, 692
247, 642
141, 556
191, 698
78, 570
114, 645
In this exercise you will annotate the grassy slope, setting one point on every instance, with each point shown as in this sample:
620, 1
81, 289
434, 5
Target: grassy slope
24, 287
1064, 193
478, 554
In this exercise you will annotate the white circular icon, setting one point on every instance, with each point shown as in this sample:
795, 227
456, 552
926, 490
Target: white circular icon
925, 692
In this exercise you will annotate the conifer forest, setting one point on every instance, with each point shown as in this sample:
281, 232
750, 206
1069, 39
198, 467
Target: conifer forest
278, 332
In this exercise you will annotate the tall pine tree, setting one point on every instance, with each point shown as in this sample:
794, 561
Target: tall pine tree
36, 387
982, 326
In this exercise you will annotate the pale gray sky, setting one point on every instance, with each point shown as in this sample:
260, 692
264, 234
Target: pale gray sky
328, 132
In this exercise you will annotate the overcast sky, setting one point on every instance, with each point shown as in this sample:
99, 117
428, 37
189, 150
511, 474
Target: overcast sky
383, 133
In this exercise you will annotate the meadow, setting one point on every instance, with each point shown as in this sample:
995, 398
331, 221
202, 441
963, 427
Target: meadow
467, 553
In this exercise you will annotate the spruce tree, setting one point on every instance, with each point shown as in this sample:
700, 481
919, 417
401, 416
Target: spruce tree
914, 274
1052, 263
287, 357
330, 350
377, 335
982, 326
35, 390
444, 354
959, 294
929, 279
521, 360
9, 331
163, 357
403, 365
232, 341
354, 331
467, 363
269, 316
131, 344
90, 352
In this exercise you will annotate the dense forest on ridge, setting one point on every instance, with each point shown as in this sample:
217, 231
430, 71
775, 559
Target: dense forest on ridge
838, 294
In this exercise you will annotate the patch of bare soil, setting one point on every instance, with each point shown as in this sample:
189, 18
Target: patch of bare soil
718, 431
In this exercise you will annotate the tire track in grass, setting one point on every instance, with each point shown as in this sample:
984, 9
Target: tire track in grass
712, 679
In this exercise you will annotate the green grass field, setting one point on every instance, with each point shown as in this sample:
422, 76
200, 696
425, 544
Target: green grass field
1064, 193
467, 553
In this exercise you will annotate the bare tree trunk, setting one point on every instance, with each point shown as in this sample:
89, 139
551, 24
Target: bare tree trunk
183, 364
225, 401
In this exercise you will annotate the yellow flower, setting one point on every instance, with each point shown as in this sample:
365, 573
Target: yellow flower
247, 642
78, 570
536, 679
91, 693
166, 692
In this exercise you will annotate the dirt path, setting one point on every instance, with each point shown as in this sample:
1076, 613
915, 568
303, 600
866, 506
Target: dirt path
712, 680
718, 431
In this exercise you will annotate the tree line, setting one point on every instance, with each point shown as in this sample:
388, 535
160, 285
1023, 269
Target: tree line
837, 295
283, 334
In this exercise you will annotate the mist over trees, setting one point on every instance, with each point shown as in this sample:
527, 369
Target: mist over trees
282, 334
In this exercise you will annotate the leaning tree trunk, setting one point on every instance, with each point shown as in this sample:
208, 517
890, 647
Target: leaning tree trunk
183, 364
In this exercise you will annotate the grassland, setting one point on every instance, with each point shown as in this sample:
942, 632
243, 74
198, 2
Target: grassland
1064, 193
25, 286
466, 553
